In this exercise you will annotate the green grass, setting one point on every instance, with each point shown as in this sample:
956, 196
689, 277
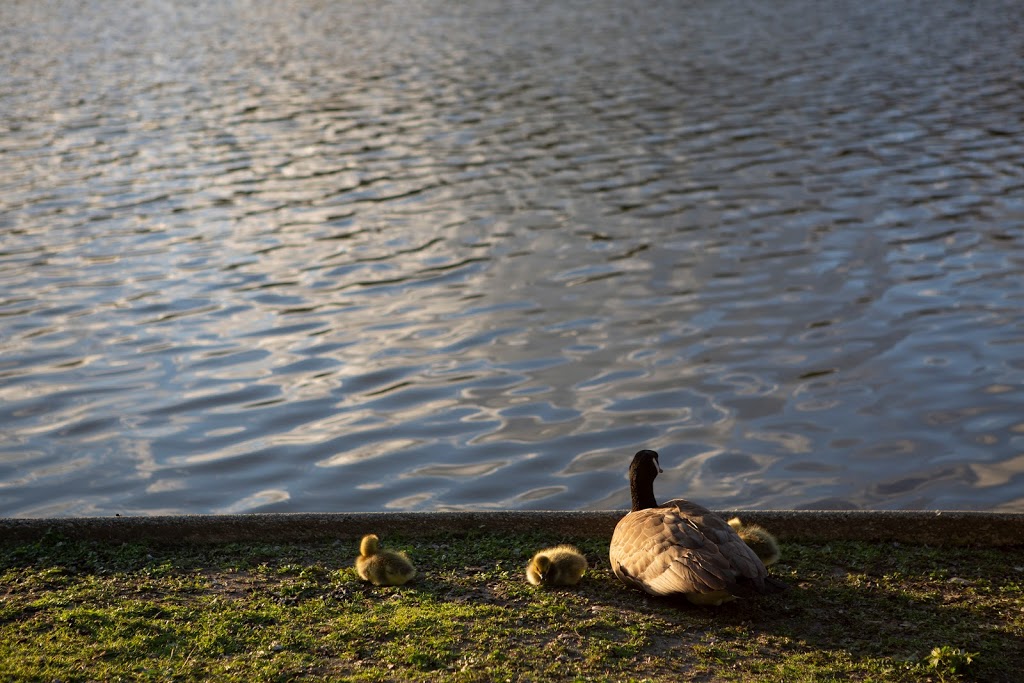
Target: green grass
77, 611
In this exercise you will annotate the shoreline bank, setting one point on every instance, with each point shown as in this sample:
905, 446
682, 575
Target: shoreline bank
933, 527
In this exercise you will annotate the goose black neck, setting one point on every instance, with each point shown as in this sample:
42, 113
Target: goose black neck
641, 489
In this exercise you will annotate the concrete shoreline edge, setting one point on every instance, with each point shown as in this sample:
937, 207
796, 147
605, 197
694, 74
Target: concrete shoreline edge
934, 527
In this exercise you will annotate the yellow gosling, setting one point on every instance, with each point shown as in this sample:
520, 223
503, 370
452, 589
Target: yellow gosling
759, 539
561, 565
382, 567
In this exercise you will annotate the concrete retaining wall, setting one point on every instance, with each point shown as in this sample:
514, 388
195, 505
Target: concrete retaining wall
925, 527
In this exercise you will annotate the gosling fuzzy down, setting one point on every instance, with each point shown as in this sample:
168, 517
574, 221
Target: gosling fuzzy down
759, 540
382, 567
562, 565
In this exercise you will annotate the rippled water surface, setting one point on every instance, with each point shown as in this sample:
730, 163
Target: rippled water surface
337, 256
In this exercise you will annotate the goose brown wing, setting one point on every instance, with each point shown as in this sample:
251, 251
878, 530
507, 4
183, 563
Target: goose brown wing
744, 561
681, 547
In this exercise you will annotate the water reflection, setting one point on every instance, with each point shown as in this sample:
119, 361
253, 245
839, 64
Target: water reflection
366, 256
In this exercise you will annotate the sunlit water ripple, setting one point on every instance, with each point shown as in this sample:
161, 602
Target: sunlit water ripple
323, 256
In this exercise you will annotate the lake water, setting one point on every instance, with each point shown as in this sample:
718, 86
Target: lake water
461, 254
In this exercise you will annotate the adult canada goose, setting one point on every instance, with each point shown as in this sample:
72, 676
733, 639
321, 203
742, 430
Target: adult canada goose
382, 567
562, 565
681, 548
759, 539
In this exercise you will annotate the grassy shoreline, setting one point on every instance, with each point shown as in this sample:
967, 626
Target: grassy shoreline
87, 610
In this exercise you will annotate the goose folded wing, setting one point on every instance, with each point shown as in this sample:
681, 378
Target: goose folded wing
687, 571
706, 529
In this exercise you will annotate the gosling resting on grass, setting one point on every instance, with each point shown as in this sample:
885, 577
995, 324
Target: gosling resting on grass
562, 565
759, 539
382, 567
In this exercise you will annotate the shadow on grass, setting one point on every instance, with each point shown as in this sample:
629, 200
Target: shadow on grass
855, 602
